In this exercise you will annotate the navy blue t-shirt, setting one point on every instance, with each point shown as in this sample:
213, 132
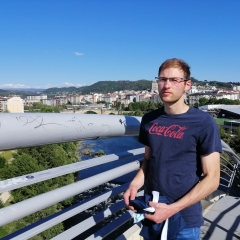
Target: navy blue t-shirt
177, 141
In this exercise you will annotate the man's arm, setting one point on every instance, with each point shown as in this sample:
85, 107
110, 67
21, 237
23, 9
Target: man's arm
138, 181
210, 182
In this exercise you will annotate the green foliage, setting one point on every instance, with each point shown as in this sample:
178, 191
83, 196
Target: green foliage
5, 111
204, 101
2, 161
235, 141
1, 204
226, 137
138, 112
39, 107
90, 112
143, 106
140, 108
29, 160
223, 85
118, 105
111, 86
7, 154
99, 153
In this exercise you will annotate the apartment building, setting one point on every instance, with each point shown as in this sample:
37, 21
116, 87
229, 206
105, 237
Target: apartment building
3, 104
15, 105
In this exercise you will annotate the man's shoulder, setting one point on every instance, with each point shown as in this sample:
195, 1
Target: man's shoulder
201, 116
199, 113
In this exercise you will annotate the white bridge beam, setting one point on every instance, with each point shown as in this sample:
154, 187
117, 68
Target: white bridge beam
35, 129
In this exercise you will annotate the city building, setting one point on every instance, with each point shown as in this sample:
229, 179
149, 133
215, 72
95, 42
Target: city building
35, 99
3, 104
15, 105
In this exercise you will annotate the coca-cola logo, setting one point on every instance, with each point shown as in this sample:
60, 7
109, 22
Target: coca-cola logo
173, 131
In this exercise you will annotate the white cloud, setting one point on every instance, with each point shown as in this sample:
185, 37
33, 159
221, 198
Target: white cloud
10, 85
65, 84
79, 54
19, 86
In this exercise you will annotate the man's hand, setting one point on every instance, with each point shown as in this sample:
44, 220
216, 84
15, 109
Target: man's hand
130, 194
162, 212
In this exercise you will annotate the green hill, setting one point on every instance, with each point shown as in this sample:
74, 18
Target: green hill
109, 87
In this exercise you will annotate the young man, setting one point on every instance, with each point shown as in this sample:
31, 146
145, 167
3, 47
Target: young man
181, 143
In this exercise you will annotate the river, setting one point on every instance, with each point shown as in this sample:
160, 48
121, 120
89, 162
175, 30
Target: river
113, 145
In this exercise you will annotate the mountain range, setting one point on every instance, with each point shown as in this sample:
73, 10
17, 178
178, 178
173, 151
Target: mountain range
103, 87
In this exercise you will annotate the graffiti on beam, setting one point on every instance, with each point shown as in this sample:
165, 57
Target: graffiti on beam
99, 128
95, 128
122, 122
38, 121
76, 123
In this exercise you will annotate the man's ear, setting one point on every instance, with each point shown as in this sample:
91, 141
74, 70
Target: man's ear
188, 85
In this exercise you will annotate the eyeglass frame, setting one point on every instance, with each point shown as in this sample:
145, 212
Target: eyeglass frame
176, 82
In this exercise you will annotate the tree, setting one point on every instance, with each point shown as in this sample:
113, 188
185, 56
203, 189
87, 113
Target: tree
2, 161
138, 112
1, 204
90, 112
203, 101
29, 160
151, 106
143, 106
235, 141
226, 137
118, 105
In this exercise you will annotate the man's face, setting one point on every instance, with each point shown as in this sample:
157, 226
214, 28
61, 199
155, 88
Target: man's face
171, 93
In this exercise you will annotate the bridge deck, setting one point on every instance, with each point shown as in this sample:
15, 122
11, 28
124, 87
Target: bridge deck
222, 221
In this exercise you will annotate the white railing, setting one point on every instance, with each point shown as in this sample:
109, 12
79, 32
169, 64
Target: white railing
54, 128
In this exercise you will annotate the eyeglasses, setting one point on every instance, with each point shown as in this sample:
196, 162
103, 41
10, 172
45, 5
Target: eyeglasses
174, 81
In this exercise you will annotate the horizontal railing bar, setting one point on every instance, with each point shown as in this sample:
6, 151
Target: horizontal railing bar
34, 204
92, 221
224, 185
226, 168
109, 228
226, 160
224, 171
31, 178
230, 152
225, 179
49, 128
67, 213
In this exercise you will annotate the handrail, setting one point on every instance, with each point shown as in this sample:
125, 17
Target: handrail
56, 218
31, 178
50, 128
67, 213
34, 204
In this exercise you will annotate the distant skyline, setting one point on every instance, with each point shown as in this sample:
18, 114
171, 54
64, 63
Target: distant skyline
61, 43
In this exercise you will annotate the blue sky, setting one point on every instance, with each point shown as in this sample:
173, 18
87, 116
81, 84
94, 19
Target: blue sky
46, 43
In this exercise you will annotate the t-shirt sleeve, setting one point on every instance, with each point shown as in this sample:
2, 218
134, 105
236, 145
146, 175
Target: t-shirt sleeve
209, 140
142, 137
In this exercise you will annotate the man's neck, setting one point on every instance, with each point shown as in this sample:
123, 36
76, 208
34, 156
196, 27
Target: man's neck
175, 108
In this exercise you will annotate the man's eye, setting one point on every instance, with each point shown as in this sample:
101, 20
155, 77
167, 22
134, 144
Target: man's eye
173, 80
